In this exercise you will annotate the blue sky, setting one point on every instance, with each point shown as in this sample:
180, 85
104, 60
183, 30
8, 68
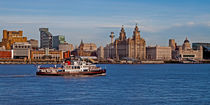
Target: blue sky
93, 20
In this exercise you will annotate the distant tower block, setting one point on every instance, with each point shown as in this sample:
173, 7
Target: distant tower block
172, 44
112, 37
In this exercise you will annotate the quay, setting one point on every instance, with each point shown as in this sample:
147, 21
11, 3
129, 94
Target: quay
22, 61
49, 61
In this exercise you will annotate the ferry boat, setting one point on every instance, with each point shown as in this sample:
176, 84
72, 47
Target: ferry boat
71, 68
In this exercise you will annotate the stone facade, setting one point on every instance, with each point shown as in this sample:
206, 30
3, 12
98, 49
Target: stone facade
66, 47
21, 50
134, 48
87, 46
34, 44
10, 37
172, 44
85, 49
47, 54
158, 53
185, 52
100, 53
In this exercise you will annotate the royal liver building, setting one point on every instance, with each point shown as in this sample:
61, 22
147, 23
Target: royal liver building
122, 47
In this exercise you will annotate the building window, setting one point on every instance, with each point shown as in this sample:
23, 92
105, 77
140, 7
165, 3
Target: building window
188, 55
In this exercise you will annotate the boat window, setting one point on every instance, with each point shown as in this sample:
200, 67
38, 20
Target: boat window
73, 67
60, 70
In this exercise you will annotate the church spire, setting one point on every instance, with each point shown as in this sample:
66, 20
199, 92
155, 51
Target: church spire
81, 45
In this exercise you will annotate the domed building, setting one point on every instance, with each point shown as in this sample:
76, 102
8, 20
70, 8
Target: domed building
185, 52
186, 45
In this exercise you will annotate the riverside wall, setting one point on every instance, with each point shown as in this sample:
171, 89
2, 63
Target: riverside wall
22, 61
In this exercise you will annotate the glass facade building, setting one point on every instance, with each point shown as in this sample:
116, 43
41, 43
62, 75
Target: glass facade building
60, 39
206, 49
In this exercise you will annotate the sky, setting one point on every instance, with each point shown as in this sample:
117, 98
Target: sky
93, 20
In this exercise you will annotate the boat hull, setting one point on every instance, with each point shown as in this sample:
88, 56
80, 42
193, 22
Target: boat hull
98, 72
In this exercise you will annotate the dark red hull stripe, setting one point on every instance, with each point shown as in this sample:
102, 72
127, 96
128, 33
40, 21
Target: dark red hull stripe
68, 73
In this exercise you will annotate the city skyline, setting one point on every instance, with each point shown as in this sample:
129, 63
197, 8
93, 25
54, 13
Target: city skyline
94, 20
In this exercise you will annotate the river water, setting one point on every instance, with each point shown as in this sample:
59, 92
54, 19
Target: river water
156, 84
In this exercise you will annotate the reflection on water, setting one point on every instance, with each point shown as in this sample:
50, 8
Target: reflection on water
123, 84
14, 76
83, 76
75, 76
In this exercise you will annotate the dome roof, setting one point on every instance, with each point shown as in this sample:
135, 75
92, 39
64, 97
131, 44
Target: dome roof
186, 40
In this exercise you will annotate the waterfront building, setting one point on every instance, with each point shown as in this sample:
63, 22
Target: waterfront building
185, 52
66, 47
21, 50
174, 47
123, 47
6, 54
206, 49
206, 52
46, 54
10, 37
108, 49
57, 40
100, 53
87, 46
34, 44
172, 44
45, 38
159, 53
196, 46
85, 49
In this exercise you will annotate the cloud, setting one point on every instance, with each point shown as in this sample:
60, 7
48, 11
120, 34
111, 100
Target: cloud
196, 33
145, 28
208, 23
177, 24
154, 29
191, 23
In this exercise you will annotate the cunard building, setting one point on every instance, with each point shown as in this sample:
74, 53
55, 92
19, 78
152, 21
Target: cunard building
126, 48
